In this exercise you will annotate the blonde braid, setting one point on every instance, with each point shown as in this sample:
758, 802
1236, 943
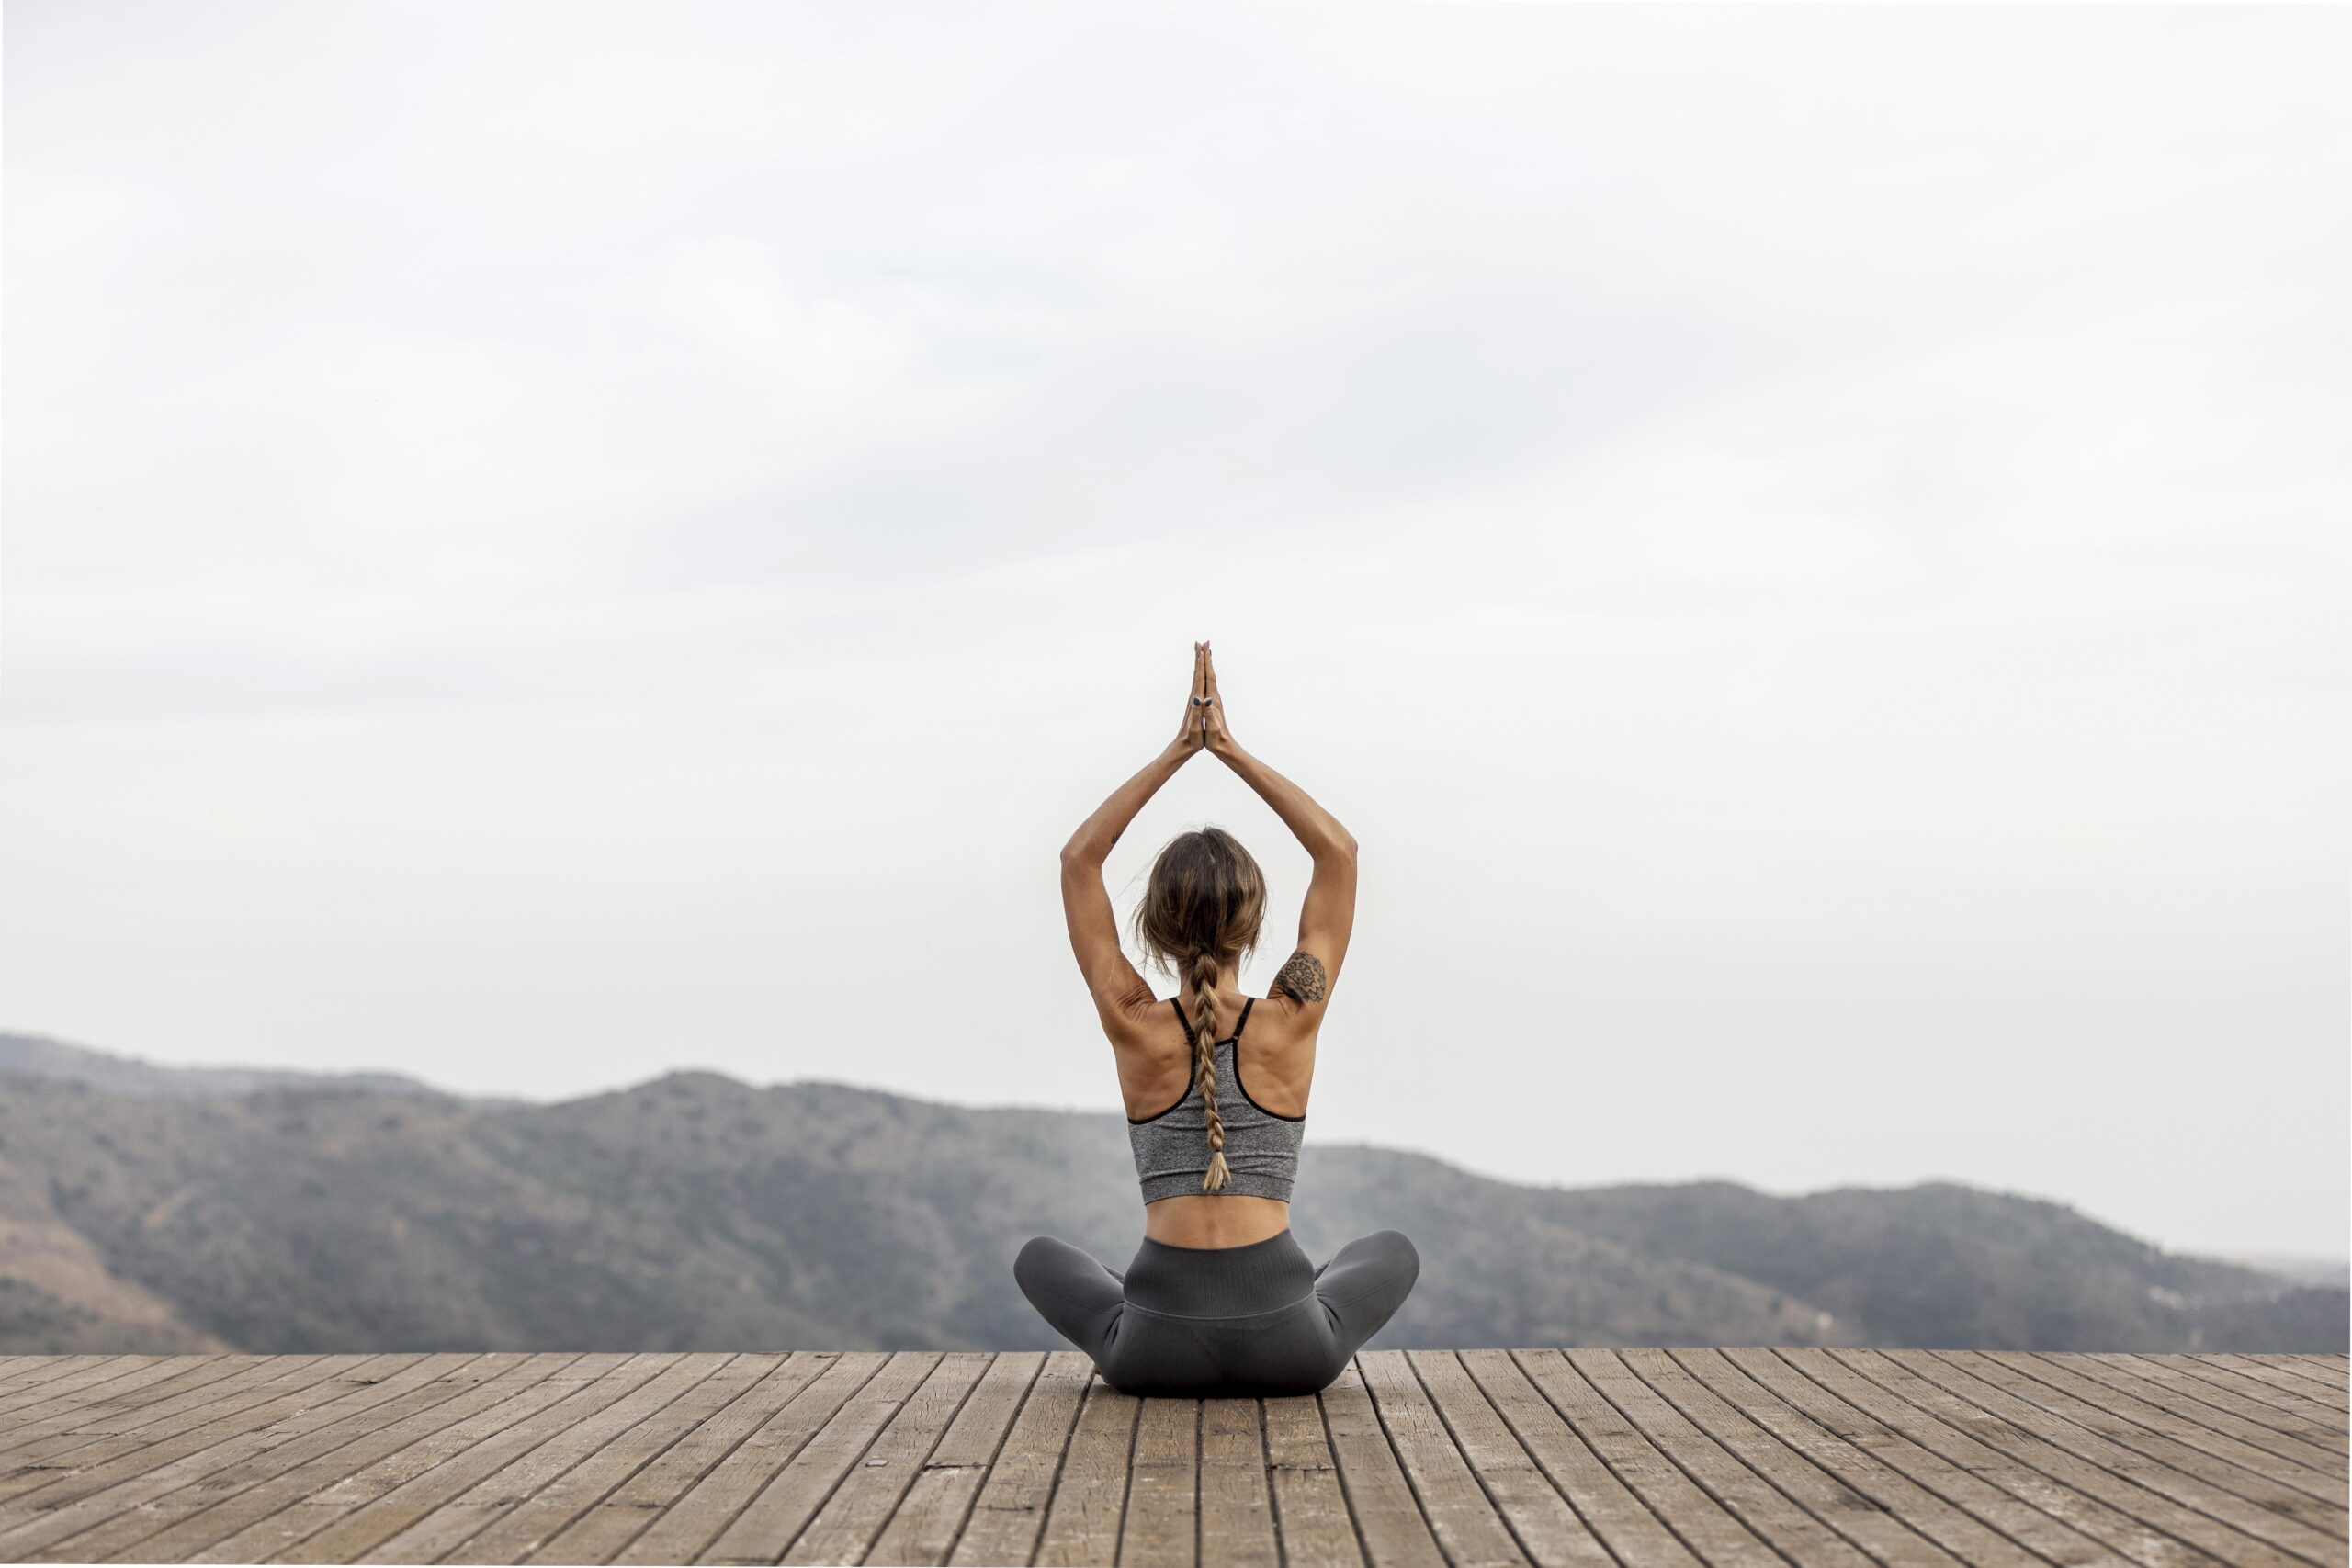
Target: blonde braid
1205, 970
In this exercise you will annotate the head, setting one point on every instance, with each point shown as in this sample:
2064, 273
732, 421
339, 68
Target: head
1201, 915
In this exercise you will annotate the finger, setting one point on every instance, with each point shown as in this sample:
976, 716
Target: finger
1200, 670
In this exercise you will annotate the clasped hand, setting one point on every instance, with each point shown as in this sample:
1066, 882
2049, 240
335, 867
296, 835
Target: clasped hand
1204, 726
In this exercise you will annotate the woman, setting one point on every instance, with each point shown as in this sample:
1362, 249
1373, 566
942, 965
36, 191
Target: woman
1220, 1300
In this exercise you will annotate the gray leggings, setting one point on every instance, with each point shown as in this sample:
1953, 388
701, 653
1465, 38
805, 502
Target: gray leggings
1258, 1320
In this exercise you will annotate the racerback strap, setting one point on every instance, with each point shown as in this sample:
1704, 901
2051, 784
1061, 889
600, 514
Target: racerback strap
1240, 1024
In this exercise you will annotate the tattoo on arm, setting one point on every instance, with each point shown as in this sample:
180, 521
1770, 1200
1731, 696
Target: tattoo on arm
1303, 976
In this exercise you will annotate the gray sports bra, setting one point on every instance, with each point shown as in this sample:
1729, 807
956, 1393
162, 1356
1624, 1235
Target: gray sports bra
1171, 1149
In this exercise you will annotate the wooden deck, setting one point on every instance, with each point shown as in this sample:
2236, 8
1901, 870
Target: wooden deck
1676, 1457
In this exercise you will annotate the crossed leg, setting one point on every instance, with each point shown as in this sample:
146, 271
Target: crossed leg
1363, 1284
1081, 1297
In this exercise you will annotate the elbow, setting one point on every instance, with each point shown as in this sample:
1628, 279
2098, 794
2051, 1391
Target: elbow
1344, 846
1085, 857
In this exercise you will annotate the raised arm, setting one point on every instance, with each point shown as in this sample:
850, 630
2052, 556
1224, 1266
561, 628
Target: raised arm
1120, 993
1327, 917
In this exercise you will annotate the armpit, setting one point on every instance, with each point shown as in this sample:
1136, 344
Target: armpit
1303, 977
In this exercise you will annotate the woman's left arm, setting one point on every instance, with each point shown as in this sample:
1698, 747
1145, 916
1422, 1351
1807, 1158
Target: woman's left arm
1120, 993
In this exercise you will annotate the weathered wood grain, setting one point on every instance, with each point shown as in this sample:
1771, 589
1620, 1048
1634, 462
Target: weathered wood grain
923, 1527
1009, 1512
2126, 1480
1537, 1458
1089, 1496
1468, 1526
704, 1512
1388, 1517
1311, 1519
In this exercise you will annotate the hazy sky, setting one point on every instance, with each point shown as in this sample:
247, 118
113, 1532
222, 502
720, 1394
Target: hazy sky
550, 543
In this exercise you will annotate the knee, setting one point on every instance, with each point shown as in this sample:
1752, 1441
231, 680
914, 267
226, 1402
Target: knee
1030, 1263
1397, 1249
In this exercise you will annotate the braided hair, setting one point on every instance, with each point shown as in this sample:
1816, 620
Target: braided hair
1200, 915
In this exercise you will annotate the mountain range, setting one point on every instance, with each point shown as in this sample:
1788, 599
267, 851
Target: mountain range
155, 1209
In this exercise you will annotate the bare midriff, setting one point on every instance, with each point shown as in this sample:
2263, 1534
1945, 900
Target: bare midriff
1208, 1221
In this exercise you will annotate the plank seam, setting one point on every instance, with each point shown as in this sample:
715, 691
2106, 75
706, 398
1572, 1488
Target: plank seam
1722, 1441
1780, 1352
914, 1470
1347, 1498
754, 1493
964, 1520
2137, 1486
1671, 1458
1534, 1460
2216, 1483
1273, 1496
2198, 1394
161, 1525
1454, 1436
2188, 1420
337, 1520
1639, 1494
618, 1483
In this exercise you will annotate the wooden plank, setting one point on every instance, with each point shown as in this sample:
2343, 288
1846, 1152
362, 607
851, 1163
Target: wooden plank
1469, 1529
368, 1508
201, 1502
1160, 1525
2260, 1383
2325, 1371
112, 1436
2228, 1469
105, 1407
765, 1530
863, 1501
280, 1514
1613, 1513
125, 1484
922, 1529
1876, 1498
697, 1517
18, 1372
1310, 1509
1714, 1470
2022, 1504
762, 1385
141, 1470
1009, 1512
709, 1382
1388, 1517
458, 1521
72, 1369
1818, 1491
64, 1432
1237, 1522
1546, 1528
1692, 1516
2284, 1383
2193, 1399
118, 1377
1090, 1495
2085, 1462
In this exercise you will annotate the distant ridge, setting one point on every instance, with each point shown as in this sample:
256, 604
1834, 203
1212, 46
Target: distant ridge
163, 1209
35, 1056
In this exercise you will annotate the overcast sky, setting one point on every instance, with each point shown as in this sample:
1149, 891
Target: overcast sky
547, 544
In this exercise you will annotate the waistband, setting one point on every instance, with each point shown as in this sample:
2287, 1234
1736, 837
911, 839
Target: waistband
1220, 1282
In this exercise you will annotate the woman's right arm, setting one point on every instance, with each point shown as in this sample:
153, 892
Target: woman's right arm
1327, 917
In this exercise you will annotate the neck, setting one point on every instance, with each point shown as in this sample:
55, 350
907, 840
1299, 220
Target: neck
1225, 981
